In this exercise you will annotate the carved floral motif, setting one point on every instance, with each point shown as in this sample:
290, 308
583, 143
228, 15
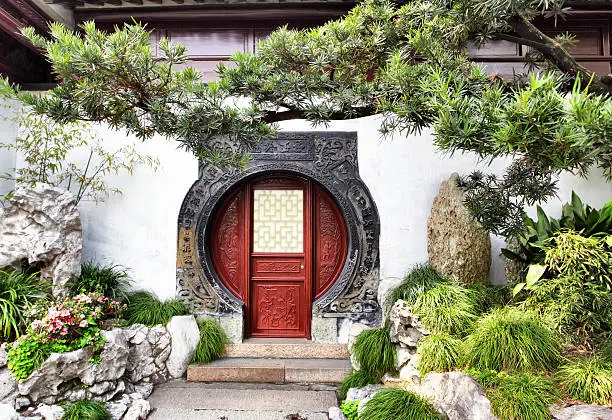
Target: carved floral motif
228, 244
277, 307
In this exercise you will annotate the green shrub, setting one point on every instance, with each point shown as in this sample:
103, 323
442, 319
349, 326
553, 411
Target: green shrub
375, 352
448, 308
588, 379
523, 397
580, 310
212, 342
19, 291
86, 410
356, 379
511, 339
349, 409
418, 281
439, 353
25, 356
489, 296
112, 280
487, 378
576, 216
605, 351
398, 404
145, 308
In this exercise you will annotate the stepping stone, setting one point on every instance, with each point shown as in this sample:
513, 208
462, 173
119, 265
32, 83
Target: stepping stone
232, 401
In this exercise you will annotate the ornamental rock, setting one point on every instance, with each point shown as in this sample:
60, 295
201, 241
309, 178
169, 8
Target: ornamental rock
42, 226
458, 246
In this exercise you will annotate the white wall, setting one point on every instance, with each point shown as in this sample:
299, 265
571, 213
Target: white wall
138, 228
8, 133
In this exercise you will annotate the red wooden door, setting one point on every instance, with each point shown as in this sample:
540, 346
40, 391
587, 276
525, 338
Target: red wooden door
280, 258
278, 243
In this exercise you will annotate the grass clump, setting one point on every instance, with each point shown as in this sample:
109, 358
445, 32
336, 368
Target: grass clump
86, 410
19, 291
439, 353
588, 379
398, 404
212, 342
356, 379
524, 396
349, 409
511, 339
419, 280
375, 352
145, 308
111, 280
448, 308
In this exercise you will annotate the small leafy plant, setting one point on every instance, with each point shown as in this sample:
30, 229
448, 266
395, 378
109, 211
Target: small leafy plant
62, 326
511, 339
85, 410
212, 342
349, 409
588, 379
19, 292
439, 353
398, 404
112, 280
145, 308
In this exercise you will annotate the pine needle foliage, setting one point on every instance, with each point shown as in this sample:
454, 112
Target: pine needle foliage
588, 379
18, 292
419, 280
439, 353
145, 308
110, 279
525, 396
212, 342
511, 339
356, 379
375, 352
86, 410
398, 404
448, 308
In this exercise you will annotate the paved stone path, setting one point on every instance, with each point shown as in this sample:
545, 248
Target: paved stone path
181, 400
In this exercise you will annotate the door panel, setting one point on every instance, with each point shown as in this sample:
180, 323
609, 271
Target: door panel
280, 280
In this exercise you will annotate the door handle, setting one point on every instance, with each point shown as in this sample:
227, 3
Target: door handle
302, 266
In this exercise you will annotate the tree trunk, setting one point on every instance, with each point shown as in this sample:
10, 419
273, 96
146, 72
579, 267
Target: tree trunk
552, 50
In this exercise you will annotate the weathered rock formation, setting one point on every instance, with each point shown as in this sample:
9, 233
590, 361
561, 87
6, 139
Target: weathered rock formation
42, 225
457, 244
456, 395
583, 412
132, 361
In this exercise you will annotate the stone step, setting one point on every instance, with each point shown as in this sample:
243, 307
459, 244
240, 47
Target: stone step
286, 349
259, 370
241, 401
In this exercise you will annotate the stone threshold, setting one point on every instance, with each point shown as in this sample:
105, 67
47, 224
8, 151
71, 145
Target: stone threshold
285, 348
260, 370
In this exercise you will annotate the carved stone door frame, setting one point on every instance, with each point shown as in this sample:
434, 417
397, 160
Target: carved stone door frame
328, 159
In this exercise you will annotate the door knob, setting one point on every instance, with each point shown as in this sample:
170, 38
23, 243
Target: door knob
302, 266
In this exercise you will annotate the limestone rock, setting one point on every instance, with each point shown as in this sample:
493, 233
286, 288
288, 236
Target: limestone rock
66, 368
410, 373
185, 336
457, 244
404, 326
583, 412
335, 413
8, 386
360, 394
403, 355
7, 412
21, 403
118, 408
456, 395
50, 412
139, 409
3, 356
43, 225
385, 288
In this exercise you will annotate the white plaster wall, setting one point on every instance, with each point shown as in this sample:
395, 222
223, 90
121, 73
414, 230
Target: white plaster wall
138, 229
8, 132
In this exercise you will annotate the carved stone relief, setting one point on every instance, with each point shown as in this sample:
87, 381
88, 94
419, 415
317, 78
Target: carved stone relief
330, 160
